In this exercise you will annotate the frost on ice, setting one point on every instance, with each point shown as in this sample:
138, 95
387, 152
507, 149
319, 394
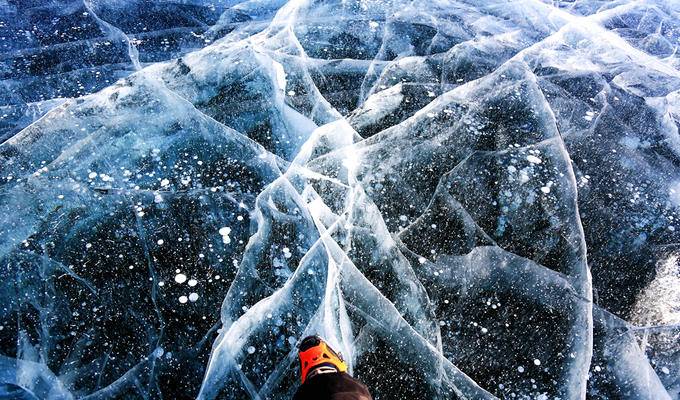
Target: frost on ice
470, 200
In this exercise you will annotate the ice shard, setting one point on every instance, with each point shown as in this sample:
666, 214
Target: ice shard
468, 199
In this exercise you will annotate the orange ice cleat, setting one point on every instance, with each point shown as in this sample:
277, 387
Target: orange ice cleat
316, 356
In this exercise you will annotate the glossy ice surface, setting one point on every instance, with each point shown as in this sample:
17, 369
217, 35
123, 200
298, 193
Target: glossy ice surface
468, 199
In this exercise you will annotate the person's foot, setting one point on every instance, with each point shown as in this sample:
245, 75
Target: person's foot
317, 357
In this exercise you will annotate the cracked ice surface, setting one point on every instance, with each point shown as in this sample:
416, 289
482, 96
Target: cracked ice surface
53, 50
470, 200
